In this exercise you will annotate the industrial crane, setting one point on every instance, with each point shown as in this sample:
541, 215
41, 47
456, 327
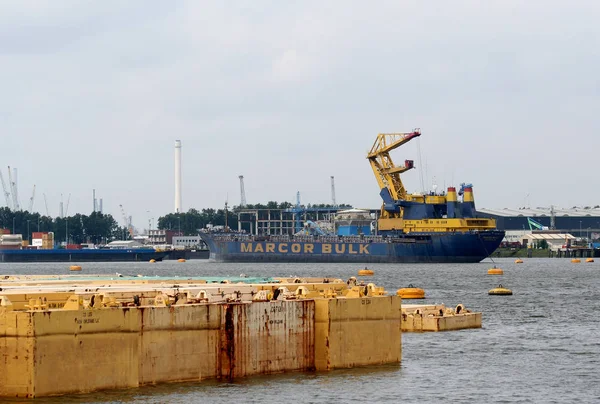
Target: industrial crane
30, 210
13, 188
127, 223
46, 203
387, 174
67, 208
6, 193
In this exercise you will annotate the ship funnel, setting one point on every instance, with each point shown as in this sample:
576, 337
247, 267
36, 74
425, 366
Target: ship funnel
468, 203
468, 195
452, 208
451, 197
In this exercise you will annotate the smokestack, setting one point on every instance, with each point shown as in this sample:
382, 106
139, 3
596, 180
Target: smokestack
100, 209
177, 176
94, 197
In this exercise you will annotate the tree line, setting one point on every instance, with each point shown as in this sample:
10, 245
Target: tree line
100, 228
97, 228
188, 223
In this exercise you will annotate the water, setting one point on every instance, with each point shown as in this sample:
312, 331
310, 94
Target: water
541, 345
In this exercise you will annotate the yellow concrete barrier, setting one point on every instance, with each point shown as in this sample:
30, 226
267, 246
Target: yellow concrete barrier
357, 332
104, 345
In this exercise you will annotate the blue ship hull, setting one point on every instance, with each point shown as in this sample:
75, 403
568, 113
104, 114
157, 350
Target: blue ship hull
414, 248
91, 255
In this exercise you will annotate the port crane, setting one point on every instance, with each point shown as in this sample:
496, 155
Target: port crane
46, 203
30, 210
13, 188
388, 174
6, 193
127, 222
67, 207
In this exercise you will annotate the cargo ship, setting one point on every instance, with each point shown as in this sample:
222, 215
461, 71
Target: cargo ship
84, 255
409, 228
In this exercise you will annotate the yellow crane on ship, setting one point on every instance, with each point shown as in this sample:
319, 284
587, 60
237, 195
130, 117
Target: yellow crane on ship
443, 213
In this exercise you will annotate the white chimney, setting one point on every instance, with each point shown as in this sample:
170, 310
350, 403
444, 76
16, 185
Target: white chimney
177, 176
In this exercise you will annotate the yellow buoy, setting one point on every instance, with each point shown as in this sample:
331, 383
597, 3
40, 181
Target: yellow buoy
518, 261
75, 268
411, 292
153, 260
575, 260
495, 271
181, 260
589, 260
500, 291
365, 272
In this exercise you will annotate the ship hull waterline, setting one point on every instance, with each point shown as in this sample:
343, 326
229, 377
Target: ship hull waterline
424, 248
80, 256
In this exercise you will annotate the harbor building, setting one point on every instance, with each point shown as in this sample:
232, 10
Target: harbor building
581, 222
188, 242
162, 236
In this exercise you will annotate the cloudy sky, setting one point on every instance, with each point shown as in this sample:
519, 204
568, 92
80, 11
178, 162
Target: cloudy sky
94, 94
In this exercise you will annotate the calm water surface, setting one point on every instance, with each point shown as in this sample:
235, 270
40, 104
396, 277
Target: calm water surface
541, 345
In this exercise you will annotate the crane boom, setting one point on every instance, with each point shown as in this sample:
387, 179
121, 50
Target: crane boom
67, 207
12, 190
6, 193
46, 202
387, 174
16, 190
30, 210
127, 222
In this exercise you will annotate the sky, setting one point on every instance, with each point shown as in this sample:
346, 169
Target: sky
288, 94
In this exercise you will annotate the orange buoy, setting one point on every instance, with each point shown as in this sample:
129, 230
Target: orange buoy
589, 260
411, 292
152, 260
365, 272
575, 260
75, 268
518, 261
495, 271
181, 260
